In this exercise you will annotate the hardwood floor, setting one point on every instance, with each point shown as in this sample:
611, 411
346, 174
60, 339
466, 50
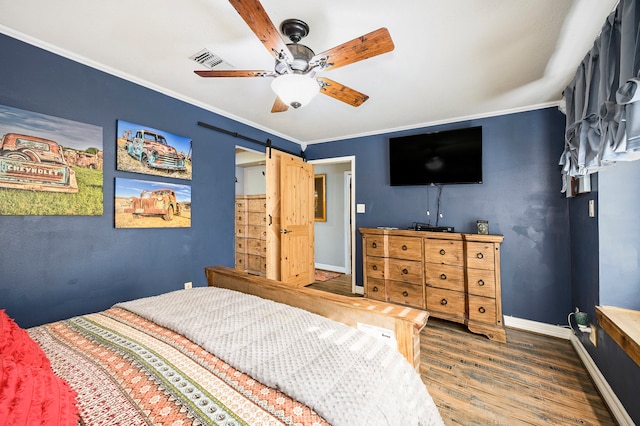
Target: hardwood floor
530, 380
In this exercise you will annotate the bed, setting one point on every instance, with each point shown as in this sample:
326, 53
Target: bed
223, 356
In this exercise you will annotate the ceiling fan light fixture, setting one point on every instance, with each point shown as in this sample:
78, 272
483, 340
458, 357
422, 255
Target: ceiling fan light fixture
296, 90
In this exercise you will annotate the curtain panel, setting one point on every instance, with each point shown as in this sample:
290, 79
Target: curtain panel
602, 101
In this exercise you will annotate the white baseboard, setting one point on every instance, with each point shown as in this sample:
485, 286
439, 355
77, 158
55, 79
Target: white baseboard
615, 406
610, 398
538, 327
332, 268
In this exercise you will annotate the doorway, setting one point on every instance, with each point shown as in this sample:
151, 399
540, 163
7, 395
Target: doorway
335, 236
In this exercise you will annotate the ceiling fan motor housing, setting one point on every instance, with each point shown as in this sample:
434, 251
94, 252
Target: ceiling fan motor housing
301, 57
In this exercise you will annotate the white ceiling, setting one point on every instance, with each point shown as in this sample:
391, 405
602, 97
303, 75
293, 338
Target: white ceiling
453, 59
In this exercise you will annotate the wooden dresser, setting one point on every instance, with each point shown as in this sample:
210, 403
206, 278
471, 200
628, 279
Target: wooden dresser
453, 276
251, 234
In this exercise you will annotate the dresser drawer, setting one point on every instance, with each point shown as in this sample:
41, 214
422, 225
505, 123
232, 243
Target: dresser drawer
375, 289
256, 231
241, 206
257, 205
480, 255
255, 218
405, 248
256, 263
258, 247
406, 294
445, 301
241, 260
405, 270
241, 245
375, 267
443, 251
482, 309
482, 282
375, 246
444, 276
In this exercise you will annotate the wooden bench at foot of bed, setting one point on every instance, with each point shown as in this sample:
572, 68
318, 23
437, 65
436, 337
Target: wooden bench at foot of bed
406, 323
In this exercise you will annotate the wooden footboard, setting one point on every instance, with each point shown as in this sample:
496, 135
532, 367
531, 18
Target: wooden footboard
406, 323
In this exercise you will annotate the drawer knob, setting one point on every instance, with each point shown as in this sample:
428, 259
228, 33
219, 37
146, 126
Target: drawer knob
240, 245
240, 218
374, 245
405, 294
480, 283
374, 267
479, 255
482, 310
443, 302
442, 252
405, 271
404, 247
239, 260
443, 276
375, 289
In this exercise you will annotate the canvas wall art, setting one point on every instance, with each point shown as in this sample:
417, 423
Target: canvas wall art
49, 165
143, 149
149, 204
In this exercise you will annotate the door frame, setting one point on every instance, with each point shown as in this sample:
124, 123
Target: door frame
351, 213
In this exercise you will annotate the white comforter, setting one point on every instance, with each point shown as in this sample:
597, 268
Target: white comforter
346, 376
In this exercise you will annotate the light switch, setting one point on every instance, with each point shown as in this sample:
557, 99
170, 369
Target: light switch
592, 208
360, 208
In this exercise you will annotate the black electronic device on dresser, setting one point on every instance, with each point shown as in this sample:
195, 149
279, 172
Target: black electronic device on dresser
431, 228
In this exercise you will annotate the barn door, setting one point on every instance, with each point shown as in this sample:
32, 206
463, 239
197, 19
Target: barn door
290, 210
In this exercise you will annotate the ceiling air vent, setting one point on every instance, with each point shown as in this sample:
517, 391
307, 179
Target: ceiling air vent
208, 59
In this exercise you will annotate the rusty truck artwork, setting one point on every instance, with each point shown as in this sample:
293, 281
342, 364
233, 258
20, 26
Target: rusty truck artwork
153, 150
160, 202
36, 164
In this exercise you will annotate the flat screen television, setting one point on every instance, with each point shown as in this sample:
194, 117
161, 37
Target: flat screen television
448, 157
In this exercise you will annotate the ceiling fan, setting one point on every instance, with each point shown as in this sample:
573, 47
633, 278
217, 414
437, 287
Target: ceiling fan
295, 69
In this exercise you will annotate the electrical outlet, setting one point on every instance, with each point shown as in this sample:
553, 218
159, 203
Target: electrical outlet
593, 336
188, 285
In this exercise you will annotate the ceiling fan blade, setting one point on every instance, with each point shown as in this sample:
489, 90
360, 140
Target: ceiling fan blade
279, 106
235, 73
256, 17
341, 92
369, 45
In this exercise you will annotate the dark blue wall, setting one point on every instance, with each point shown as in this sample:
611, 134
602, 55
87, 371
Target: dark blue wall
605, 258
520, 197
56, 267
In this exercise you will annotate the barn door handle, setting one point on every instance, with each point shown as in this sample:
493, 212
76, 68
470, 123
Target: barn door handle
270, 220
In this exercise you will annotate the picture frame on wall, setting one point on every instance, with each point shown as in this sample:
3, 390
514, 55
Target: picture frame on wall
143, 149
49, 166
320, 197
151, 204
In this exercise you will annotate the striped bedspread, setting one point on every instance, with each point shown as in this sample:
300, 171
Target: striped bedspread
129, 371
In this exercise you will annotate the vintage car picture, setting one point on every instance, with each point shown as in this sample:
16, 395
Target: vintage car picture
49, 165
148, 204
146, 150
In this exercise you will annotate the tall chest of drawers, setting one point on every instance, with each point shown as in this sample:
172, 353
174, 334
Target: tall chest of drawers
251, 234
454, 276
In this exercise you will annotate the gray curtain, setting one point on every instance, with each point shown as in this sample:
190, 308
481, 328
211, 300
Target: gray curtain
601, 102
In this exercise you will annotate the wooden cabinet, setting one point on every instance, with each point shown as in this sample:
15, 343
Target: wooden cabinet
251, 234
453, 276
